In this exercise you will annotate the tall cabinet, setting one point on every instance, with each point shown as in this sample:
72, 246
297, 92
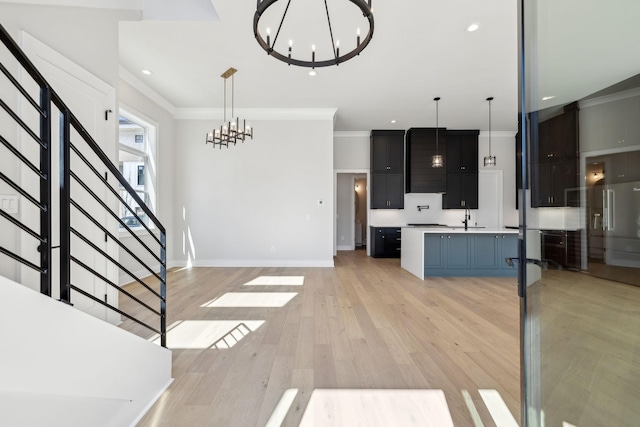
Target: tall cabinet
555, 158
387, 169
461, 164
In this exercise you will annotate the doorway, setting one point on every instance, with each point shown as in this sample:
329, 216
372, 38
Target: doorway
352, 213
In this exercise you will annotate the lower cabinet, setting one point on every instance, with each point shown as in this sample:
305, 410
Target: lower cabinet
469, 254
386, 242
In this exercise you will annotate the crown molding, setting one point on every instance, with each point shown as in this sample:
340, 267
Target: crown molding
142, 87
95, 4
352, 134
498, 133
257, 113
609, 98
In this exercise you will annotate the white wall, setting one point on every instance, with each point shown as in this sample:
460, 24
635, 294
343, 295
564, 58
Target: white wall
255, 203
88, 37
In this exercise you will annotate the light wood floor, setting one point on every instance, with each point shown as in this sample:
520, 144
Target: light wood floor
589, 332
365, 324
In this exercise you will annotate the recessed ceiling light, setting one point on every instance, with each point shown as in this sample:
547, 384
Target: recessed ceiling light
546, 98
312, 73
147, 72
393, 121
473, 27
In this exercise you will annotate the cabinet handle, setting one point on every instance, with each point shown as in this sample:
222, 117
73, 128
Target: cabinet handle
442, 237
463, 167
496, 237
448, 237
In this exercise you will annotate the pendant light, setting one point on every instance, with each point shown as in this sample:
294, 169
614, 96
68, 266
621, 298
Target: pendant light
490, 160
437, 161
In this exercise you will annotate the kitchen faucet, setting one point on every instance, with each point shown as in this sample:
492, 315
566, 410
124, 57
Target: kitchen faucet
467, 217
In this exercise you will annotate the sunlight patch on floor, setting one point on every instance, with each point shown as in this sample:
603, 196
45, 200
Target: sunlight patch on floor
202, 334
276, 281
373, 408
498, 409
278, 415
475, 416
251, 299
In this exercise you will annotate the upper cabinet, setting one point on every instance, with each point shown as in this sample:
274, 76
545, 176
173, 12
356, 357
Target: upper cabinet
555, 159
387, 169
462, 151
461, 164
387, 151
421, 147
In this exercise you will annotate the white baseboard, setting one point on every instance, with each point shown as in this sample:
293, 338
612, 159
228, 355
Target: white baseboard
152, 402
263, 263
346, 248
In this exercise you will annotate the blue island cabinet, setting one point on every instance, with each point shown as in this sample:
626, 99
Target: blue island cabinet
467, 254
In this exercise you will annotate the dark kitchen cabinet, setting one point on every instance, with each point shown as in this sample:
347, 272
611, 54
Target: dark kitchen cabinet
561, 248
555, 159
387, 167
552, 183
462, 151
386, 242
461, 163
387, 191
462, 191
387, 151
420, 148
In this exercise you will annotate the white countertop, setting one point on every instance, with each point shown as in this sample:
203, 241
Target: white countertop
455, 230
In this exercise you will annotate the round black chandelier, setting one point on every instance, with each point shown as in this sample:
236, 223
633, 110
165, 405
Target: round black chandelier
284, 52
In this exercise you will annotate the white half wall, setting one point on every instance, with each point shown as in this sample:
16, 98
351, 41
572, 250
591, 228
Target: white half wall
54, 352
265, 202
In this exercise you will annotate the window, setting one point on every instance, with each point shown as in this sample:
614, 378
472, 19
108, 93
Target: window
137, 142
141, 175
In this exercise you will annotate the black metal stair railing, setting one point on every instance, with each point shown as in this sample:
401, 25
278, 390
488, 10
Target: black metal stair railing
85, 188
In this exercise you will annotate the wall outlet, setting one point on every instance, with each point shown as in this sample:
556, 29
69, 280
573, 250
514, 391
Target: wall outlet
320, 202
9, 203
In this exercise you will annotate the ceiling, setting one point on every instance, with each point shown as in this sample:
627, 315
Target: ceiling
420, 50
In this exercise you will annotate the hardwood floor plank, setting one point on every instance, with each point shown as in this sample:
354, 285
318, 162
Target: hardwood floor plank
364, 324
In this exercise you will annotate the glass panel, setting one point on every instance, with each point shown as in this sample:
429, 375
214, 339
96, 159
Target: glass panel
131, 134
582, 213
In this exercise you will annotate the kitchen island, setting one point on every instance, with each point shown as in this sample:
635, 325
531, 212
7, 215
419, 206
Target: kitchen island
448, 251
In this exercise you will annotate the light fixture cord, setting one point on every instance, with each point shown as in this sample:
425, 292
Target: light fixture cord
281, 22
232, 95
224, 113
489, 128
335, 54
436, 127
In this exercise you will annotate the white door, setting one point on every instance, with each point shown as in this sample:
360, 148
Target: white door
88, 98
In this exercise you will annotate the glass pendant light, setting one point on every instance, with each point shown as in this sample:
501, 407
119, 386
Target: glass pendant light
437, 161
490, 160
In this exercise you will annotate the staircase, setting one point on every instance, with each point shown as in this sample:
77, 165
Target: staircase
61, 364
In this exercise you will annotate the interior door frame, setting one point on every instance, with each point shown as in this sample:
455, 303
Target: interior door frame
366, 172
